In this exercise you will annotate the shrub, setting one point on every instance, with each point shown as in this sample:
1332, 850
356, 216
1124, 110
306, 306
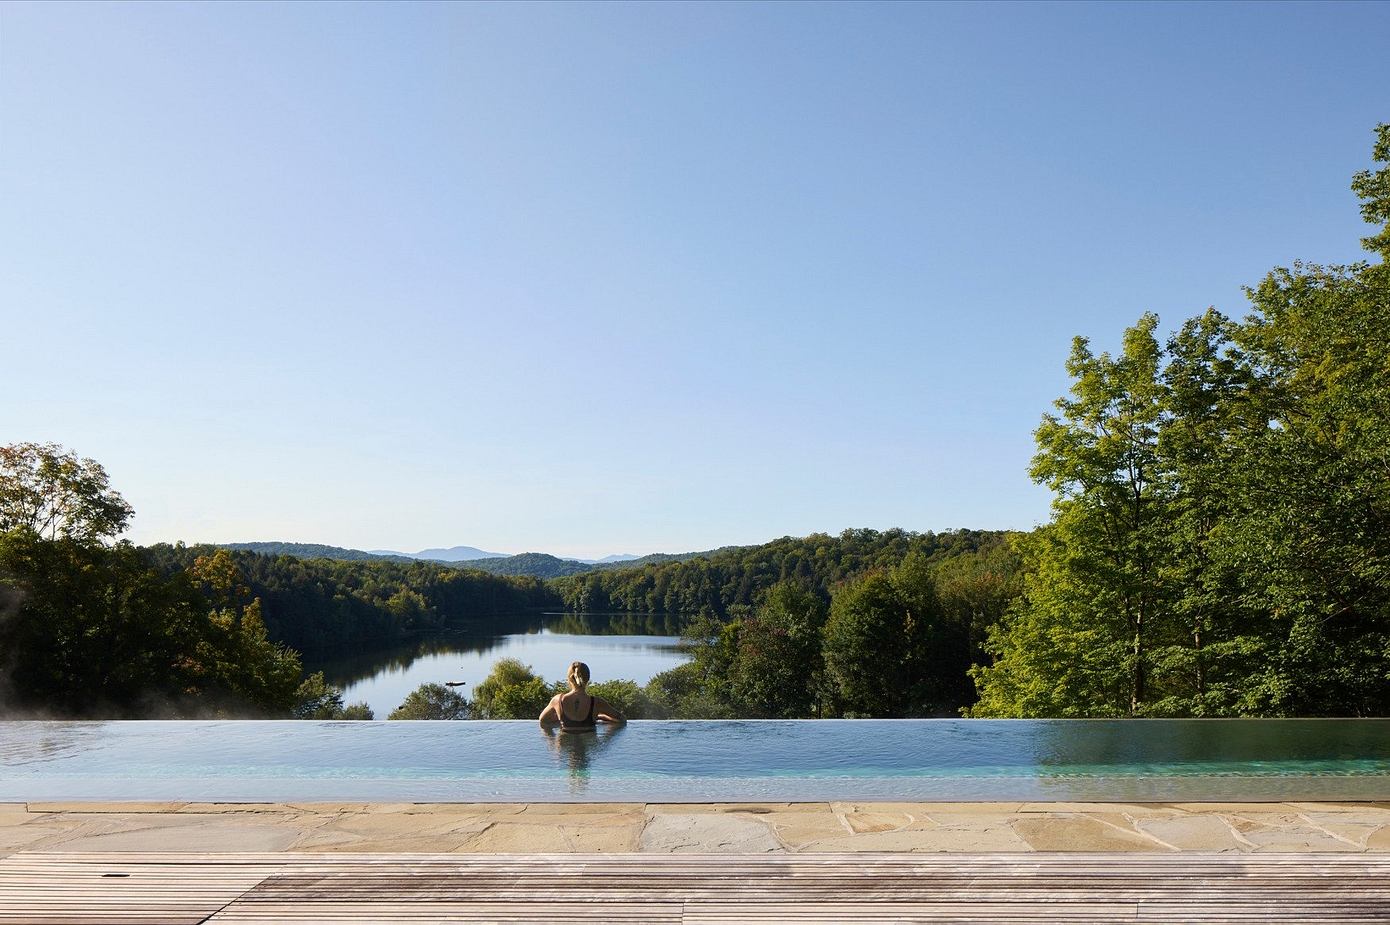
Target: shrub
431, 701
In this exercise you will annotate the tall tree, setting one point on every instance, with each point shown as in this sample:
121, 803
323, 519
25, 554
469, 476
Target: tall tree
1315, 506
1221, 534
54, 494
237, 656
777, 670
879, 643
1080, 640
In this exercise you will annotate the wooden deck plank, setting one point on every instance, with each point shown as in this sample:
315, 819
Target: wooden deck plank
40, 890
471, 913
249, 889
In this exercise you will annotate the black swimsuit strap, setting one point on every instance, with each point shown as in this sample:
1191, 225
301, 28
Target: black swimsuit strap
588, 720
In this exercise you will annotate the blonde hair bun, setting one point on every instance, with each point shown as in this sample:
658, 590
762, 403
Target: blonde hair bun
578, 675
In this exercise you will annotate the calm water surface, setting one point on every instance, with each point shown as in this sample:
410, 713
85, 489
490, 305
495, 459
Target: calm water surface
1103, 760
613, 647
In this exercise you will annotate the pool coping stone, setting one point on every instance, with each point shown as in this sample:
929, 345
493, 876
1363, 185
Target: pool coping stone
662, 828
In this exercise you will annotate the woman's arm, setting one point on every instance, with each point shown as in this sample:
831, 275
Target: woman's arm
606, 712
551, 714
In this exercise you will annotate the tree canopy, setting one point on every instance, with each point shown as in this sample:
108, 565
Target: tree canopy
55, 494
1220, 543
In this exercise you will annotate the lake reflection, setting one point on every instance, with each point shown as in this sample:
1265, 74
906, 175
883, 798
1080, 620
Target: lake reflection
631, 646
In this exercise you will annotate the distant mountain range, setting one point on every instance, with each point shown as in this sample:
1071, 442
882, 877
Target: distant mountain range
452, 554
473, 554
535, 564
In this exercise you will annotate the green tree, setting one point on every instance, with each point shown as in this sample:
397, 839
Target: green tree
725, 582
1314, 505
1372, 187
777, 671
357, 710
237, 655
629, 699
1221, 534
87, 630
54, 494
1214, 399
974, 590
519, 701
494, 697
681, 693
91, 630
877, 643
1095, 603
712, 645
317, 699
432, 701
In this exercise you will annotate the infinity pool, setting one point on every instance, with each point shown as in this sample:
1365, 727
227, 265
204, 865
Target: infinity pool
909, 760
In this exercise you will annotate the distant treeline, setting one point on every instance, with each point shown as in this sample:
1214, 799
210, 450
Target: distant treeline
729, 581
544, 565
313, 551
318, 605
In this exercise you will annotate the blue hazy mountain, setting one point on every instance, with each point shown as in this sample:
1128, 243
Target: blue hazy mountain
472, 555
535, 564
452, 554
544, 565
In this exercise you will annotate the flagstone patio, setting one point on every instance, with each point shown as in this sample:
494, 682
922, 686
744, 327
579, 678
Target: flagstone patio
665, 828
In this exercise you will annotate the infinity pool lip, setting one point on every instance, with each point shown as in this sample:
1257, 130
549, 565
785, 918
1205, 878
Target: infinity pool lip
950, 760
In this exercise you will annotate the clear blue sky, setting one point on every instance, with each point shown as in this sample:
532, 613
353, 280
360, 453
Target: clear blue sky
626, 278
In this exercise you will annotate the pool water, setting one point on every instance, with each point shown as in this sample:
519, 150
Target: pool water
706, 761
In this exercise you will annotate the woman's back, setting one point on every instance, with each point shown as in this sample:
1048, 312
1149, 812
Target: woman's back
571, 703
577, 710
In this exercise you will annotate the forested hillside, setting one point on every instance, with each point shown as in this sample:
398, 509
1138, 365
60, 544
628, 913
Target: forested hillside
736, 577
532, 564
313, 605
313, 551
544, 565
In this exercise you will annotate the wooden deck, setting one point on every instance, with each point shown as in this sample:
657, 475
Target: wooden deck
999, 889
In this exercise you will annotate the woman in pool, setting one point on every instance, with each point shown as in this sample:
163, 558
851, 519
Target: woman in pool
577, 710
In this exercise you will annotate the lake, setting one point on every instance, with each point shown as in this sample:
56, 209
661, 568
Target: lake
632, 646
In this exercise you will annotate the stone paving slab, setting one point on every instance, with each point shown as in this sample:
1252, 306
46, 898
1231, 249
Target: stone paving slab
666, 828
